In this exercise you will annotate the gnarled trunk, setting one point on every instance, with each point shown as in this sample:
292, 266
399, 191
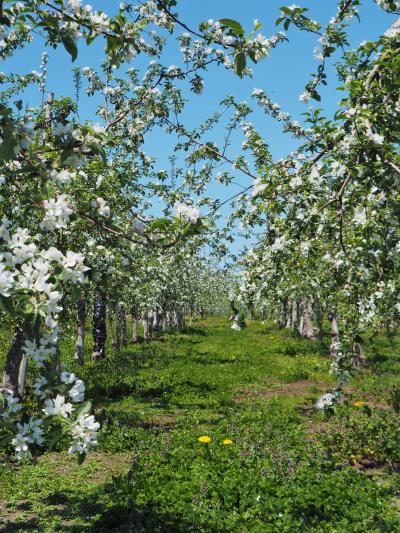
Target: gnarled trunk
99, 326
80, 335
14, 374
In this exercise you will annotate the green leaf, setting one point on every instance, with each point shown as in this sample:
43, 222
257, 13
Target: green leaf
32, 323
54, 440
252, 55
83, 409
240, 63
234, 25
98, 149
70, 46
315, 95
160, 223
4, 20
81, 458
8, 145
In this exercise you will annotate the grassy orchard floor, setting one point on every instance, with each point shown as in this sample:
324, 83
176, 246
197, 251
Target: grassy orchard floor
289, 469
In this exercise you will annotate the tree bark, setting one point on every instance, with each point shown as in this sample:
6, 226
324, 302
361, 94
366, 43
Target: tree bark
334, 334
358, 348
145, 324
319, 317
290, 316
180, 323
111, 330
300, 315
233, 309
164, 321
99, 326
80, 336
295, 315
14, 374
121, 335
308, 329
135, 333
283, 314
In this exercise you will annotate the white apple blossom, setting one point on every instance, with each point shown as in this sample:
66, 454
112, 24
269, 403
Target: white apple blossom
77, 392
57, 213
84, 434
57, 407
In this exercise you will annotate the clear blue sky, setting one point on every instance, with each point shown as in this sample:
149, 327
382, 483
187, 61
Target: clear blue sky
283, 74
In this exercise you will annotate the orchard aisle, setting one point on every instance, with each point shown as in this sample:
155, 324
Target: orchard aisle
215, 430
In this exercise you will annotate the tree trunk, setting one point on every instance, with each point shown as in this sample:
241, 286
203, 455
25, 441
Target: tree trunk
145, 324
233, 309
295, 315
99, 326
308, 329
80, 336
14, 374
135, 333
180, 323
164, 321
283, 314
290, 316
156, 318
319, 317
300, 315
150, 318
358, 349
122, 337
113, 340
334, 334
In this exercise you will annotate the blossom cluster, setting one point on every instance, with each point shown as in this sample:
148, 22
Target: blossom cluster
188, 212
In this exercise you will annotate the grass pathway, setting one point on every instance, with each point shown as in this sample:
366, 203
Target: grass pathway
287, 469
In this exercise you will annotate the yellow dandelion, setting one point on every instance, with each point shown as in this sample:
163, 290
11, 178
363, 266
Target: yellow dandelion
227, 442
359, 404
205, 439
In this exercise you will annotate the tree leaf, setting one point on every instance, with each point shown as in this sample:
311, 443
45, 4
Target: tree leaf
233, 24
8, 145
83, 409
70, 46
81, 458
240, 63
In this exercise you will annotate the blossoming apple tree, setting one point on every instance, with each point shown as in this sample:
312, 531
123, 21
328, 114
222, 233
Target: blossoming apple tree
330, 208
66, 185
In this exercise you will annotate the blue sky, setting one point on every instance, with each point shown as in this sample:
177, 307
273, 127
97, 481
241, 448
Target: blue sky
283, 74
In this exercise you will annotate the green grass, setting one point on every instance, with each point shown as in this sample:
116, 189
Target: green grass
289, 468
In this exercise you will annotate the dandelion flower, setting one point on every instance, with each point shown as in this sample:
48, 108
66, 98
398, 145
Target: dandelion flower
205, 439
359, 404
227, 442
